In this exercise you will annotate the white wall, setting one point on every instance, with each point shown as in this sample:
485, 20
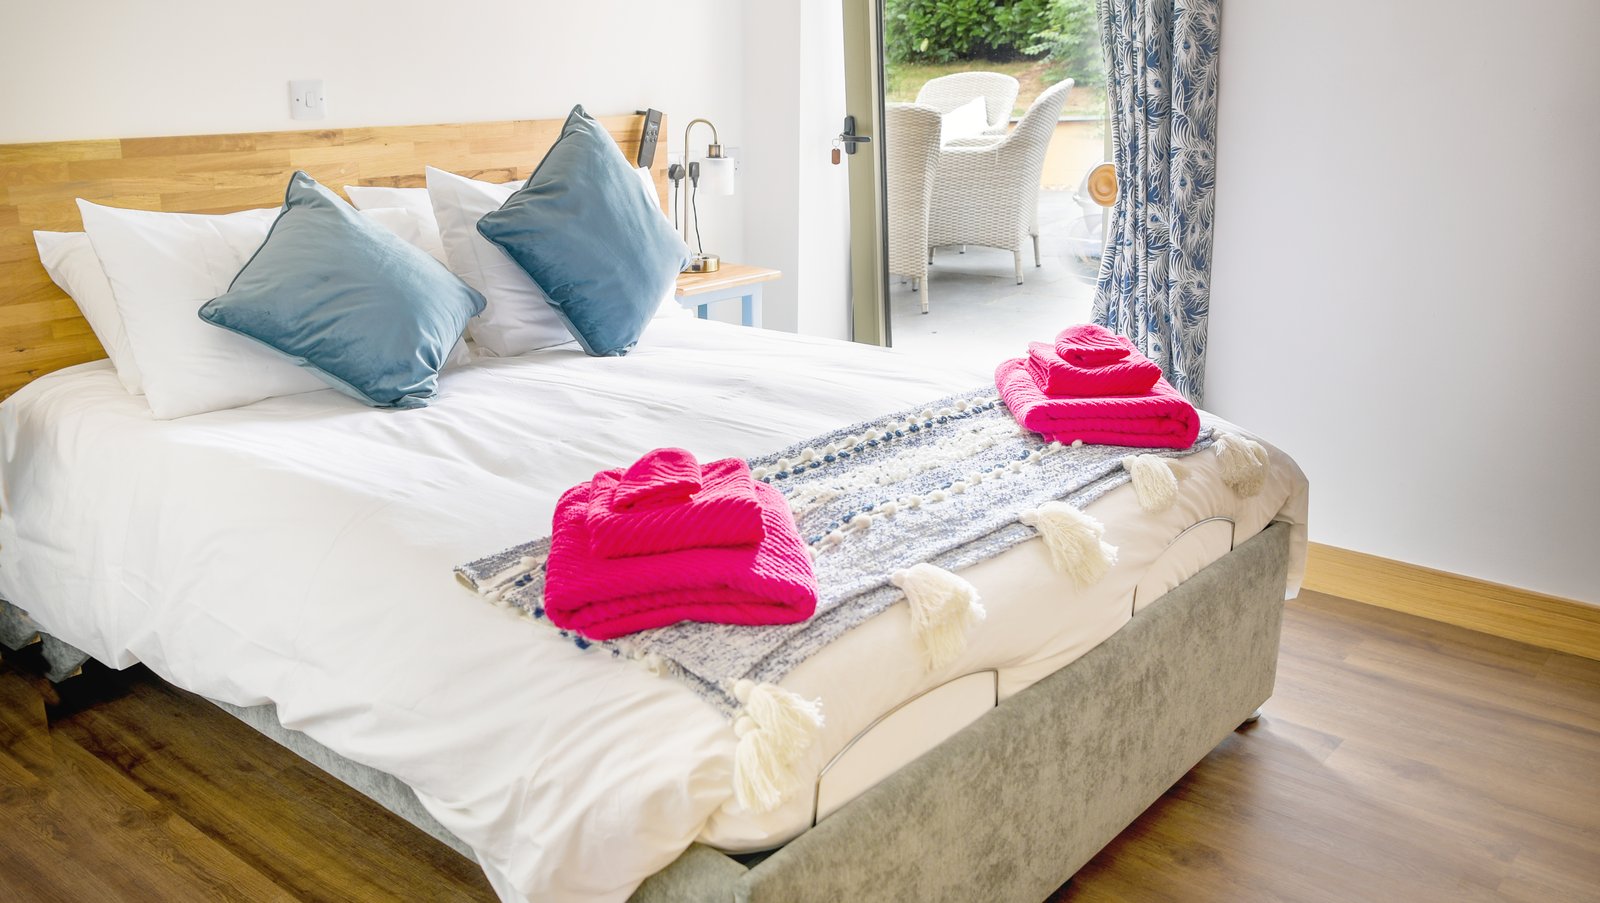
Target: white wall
114, 69
796, 215
1406, 293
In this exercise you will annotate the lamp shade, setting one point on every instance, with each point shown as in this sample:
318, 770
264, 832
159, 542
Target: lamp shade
716, 175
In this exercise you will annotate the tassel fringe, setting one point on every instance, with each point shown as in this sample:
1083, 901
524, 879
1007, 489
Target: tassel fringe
1153, 481
943, 608
1243, 462
775, 728
1074, 540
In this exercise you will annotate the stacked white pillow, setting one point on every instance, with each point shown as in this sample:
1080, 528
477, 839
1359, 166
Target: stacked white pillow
162, 267
166, 265
517, 316
70, 260
140, 277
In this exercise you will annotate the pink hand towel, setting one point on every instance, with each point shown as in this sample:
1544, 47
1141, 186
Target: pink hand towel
723, 512
1057, 376
1160, 418
1091, 345
771, 582
665, 476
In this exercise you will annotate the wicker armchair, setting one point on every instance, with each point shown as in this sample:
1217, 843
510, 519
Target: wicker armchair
999, 93
911, 149
988, 194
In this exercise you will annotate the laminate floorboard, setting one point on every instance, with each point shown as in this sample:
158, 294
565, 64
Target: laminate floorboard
1400, 759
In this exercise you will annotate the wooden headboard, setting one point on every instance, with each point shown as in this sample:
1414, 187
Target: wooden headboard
40, 327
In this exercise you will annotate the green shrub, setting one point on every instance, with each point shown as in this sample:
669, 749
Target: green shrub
1071, 40
939, 31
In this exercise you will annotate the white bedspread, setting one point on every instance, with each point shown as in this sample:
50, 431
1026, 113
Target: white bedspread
299, 551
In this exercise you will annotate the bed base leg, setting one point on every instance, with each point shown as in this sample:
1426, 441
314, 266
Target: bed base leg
1250, 719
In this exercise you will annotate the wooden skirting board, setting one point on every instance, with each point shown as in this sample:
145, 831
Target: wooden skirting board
1505, 611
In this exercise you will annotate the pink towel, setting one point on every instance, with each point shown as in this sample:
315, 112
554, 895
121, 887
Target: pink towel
1056, 376
1090, 345
665, 476
1160, 418
722, 511
768, 583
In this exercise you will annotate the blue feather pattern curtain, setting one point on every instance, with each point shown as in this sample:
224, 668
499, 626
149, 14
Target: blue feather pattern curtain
1155, 279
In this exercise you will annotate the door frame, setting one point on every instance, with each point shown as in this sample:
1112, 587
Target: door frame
869, 221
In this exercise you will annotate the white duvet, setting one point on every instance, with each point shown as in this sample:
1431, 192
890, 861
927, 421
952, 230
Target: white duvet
299, 551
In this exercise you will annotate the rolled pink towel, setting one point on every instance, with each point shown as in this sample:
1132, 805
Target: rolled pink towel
722, 511
665, 476
771, 582
1057, 376
1091, 345
1159, 418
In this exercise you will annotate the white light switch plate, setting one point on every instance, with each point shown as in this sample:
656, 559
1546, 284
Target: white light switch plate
306, 100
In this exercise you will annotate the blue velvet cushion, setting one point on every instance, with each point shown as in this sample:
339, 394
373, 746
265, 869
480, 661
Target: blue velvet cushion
581, 228
349, 300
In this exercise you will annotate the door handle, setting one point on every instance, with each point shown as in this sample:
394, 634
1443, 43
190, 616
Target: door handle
849, 138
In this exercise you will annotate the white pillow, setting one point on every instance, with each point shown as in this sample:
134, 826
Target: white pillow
965, 121
70, 260
409, 223
162, 267
414, 200
517, 316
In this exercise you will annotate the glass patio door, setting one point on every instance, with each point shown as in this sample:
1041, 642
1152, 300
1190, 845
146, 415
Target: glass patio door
978, 107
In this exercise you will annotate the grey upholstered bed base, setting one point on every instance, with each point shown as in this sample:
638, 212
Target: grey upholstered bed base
1011, 806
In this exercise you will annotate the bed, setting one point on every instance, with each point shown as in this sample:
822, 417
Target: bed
291, 560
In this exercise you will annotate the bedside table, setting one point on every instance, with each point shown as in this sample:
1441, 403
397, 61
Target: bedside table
733, 280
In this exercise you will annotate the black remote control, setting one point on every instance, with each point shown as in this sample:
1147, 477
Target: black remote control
652, 132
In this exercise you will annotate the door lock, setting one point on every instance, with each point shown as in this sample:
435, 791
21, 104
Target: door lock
849, 139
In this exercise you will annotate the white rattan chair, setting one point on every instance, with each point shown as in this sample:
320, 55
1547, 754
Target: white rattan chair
911, 151
998, 90
988, 194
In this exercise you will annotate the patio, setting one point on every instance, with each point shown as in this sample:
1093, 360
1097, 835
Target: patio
978, 314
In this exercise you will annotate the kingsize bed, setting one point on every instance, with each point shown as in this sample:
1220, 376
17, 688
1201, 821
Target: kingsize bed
291, 559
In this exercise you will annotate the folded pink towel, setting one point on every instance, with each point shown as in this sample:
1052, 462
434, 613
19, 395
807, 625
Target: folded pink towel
771, 582
665, 476
1057, 376
1091, 345
722, 510
1159, 418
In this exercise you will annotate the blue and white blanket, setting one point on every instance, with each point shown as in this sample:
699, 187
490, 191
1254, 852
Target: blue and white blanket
942, 484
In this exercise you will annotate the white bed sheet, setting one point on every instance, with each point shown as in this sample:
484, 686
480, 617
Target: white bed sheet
299, 551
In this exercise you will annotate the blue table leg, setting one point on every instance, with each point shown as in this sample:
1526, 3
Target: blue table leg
701, 311
747, 310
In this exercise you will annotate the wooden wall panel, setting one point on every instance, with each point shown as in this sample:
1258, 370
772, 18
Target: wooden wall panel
41, 329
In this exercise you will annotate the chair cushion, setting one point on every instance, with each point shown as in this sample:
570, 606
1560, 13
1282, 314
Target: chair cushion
965, 121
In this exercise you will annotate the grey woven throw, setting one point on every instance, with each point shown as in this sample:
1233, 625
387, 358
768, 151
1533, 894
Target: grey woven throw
943, 483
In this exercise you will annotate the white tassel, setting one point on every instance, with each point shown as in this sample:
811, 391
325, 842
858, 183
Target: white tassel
1153, 481
775, 728
1074, 540
943, 608
1243, 462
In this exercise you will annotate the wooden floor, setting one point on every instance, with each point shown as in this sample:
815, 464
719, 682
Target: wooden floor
1399, 760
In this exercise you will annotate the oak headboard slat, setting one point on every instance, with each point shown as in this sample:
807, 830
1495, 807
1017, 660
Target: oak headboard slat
41, 328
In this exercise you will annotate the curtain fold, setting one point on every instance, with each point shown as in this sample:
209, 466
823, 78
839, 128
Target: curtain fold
1155, 278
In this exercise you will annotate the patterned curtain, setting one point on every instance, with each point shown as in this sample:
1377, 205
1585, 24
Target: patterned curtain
1155, 278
